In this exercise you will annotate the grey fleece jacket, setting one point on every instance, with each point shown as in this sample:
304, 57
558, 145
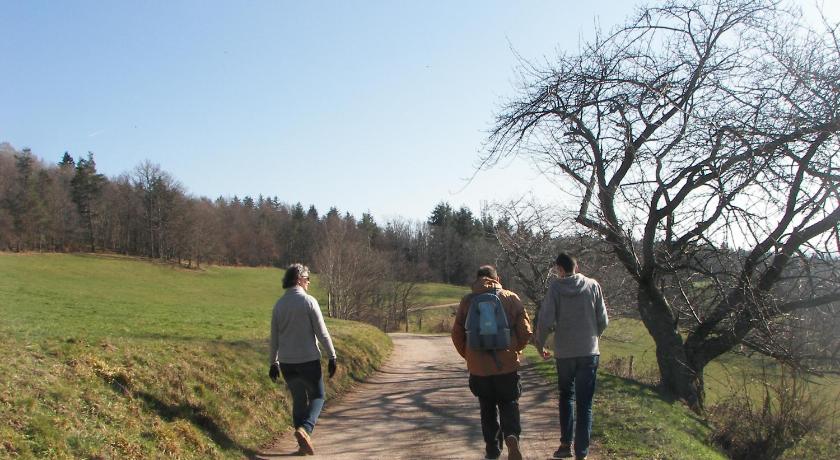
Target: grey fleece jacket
574, 308
295, 325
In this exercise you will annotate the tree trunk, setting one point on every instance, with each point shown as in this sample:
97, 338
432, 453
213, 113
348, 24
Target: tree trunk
90, 229
679, 375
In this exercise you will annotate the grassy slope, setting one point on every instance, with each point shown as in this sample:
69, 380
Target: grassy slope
628, 337
723, 376
632, 421
435, 320
439, 293
113, 357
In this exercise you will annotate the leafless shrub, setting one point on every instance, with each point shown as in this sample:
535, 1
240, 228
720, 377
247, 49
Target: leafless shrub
751, 428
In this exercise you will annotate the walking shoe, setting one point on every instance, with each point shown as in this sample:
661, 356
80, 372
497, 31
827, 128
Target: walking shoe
304, 441
512, 443
564, 451
492, 452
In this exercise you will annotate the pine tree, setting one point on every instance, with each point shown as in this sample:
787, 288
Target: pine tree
86, 188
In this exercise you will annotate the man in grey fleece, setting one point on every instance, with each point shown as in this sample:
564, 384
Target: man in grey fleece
296, 323
574, 309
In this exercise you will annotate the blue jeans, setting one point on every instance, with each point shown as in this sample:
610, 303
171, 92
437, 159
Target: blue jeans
306, 384
576, 383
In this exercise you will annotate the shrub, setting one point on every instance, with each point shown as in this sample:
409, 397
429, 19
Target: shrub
748, 427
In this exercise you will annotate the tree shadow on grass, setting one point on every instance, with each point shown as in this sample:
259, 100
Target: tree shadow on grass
196, 416
648, 396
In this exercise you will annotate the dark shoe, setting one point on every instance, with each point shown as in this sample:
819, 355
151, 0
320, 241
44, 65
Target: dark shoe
564, 451
492, 451
512, 443
580, 457
304, 441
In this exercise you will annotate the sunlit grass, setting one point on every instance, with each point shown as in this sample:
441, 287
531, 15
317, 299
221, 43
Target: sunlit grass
439, 294
113, 357
632, 421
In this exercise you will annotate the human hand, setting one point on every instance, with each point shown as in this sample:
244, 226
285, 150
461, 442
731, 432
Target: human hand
274, 372
331, 367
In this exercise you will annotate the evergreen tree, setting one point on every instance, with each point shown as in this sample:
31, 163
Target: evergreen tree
86, 187
67, 161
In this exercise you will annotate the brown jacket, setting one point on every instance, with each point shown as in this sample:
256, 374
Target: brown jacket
482, 362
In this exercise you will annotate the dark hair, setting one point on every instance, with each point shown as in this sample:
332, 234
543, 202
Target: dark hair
293, 273
488, 271
566, 262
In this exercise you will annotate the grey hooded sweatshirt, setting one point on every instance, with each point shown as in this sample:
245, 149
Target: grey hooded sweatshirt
574, 308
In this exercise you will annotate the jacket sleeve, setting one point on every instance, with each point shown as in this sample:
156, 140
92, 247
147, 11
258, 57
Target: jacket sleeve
601, 311
274, 342
545, 319
459, 332
320, 328
522, 324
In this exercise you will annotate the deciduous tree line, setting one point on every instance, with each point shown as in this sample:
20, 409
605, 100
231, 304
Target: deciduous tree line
69, 206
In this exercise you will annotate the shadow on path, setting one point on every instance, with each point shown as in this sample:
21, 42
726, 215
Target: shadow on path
419, 406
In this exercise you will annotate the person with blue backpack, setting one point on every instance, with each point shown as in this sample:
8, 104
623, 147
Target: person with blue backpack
490, 331
575, 310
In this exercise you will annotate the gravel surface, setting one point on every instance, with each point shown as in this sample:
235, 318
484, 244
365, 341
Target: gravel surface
418, 406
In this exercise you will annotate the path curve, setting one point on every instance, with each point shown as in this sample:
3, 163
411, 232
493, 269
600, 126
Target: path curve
419, 406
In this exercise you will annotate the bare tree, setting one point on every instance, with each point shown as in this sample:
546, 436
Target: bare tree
531, 234
700, 142
527, 238
352, 271
159, 191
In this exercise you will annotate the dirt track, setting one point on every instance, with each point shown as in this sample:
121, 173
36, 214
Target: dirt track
418, 406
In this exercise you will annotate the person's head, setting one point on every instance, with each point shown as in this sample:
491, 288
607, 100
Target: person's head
487, 271
296, 275
566, 264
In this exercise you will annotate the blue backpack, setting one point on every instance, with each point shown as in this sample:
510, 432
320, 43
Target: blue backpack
487, 324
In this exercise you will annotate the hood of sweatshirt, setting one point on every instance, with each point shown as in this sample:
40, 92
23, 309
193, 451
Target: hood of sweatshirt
570, 286
485, 284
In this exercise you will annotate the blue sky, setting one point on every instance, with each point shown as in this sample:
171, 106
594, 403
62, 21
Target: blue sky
370, 106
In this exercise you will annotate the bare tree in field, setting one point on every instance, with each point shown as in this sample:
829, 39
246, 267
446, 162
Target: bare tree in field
527, 236
701, 143
531, 234
352, 272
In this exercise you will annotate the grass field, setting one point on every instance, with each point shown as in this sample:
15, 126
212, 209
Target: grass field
439, 293
113, 357
730, 374
631, 421
434, 320
628, 337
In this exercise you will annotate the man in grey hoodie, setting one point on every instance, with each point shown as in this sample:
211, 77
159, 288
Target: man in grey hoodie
574, 309
296, 323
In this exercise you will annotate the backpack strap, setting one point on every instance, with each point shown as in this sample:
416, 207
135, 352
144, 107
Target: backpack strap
496, 359
493, 352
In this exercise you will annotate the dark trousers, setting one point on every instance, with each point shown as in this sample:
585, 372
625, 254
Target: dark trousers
306, 384
498, 397
576, 383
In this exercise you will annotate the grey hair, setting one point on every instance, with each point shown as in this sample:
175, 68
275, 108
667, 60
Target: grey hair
293, 273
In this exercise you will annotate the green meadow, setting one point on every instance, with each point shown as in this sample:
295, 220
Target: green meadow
632, 421
115, 357
731, 375
429, 294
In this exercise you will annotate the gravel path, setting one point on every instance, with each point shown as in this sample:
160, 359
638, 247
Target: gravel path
418, 406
